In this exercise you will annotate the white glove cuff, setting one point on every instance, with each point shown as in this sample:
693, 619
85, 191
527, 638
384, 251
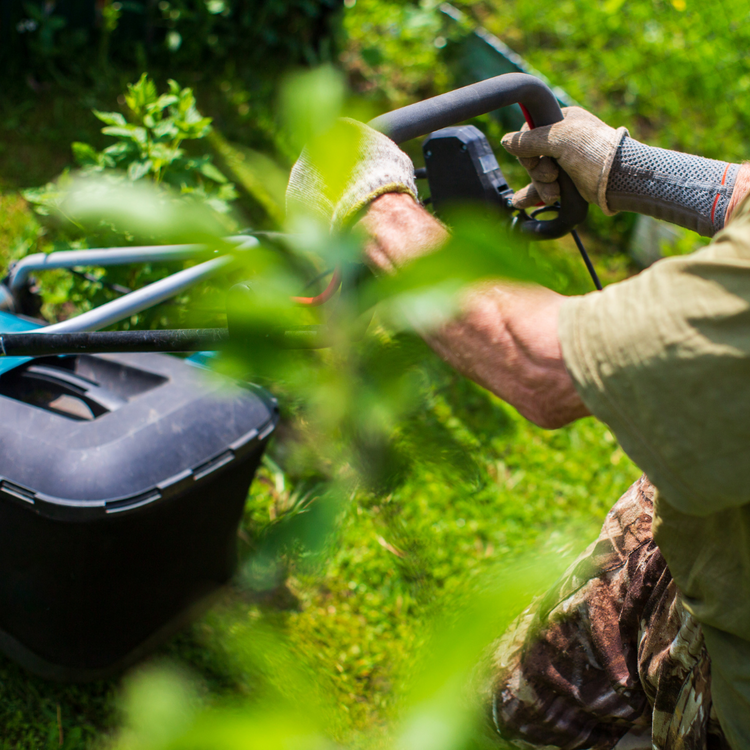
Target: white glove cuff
384, 168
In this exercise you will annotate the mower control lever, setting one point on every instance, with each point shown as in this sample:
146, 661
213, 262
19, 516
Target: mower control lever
480, 98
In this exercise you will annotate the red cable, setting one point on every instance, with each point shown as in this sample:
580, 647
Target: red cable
325, 295
530, 122
527, 116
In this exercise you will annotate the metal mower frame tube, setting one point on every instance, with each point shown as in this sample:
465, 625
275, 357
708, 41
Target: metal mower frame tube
139, 300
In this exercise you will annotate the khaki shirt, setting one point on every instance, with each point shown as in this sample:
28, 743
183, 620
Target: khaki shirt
664, 360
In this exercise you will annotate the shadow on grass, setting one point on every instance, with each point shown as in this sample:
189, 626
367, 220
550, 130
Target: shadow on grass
36, 713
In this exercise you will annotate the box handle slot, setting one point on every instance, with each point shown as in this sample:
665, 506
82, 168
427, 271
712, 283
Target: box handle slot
100, 400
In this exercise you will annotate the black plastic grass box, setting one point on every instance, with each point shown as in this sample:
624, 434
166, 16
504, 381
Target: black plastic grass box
123, 480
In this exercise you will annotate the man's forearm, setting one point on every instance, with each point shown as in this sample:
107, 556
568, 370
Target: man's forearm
505, 338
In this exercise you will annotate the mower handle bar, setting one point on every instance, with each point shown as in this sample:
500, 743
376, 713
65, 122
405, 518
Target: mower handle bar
480, 98
401, 125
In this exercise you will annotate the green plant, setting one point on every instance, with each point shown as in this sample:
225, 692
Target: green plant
151, 146
471, 485
44, 24
396, 49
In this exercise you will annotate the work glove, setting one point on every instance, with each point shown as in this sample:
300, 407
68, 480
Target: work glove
357, 165
582, 145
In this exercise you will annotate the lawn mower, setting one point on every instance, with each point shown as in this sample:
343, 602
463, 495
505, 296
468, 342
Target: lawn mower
124, 470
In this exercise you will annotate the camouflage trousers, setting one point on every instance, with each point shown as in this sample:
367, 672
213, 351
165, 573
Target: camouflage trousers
609, 657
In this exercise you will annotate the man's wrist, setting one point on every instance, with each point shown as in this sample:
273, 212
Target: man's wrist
741, 189
400, 231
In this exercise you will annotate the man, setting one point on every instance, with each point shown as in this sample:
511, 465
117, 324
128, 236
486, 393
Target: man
624, 651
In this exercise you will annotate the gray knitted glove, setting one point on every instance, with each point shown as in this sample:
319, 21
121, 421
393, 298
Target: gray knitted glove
378, 166
583, 146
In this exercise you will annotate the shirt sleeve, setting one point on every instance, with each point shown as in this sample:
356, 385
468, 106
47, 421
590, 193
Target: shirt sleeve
663, 358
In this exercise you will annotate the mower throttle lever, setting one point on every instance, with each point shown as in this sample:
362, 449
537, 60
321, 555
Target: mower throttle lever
480, 98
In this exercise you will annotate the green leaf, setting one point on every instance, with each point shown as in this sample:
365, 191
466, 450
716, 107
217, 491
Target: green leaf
138, 169
141, 94
133, 132
164, 101
122, 151
195, 129
166, 129
227, 192
164, 153
142, 209
211, 171
39, 196
185, 100
159, 704
256, 173
110, 118
310, 104
85, 155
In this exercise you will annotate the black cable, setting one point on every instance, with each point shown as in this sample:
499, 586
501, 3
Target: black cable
587, 260
317, 278
579, 244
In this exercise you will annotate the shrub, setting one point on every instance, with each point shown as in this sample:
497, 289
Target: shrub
149, 146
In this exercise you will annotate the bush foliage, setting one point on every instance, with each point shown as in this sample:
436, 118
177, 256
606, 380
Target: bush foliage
59, 39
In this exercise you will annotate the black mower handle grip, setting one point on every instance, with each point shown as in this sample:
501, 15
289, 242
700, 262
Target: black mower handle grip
477, 99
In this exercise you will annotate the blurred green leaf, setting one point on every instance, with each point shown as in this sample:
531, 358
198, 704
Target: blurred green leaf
114, 119
159, 704
139, 210
310, 103
259, 175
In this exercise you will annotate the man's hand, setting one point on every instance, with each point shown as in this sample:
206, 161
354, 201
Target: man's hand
505, 339
618, 173
583, 146
355, 165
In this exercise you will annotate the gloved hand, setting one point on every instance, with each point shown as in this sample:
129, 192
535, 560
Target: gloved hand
583, 146
361, 165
